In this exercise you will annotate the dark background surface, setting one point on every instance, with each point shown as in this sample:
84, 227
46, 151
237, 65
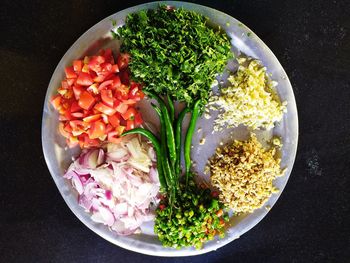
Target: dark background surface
309, 223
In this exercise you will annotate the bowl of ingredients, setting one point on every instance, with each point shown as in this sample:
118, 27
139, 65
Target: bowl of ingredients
170, 129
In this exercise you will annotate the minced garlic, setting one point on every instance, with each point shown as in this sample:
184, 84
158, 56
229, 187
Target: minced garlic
249, 100
244, 172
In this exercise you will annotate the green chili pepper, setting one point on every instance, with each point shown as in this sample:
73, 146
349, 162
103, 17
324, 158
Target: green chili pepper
188, 138
171, 108
168, 126
178, 133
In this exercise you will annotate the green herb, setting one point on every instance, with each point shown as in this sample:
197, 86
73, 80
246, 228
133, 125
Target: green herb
174, 52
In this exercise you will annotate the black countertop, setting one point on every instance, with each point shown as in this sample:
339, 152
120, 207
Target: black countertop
309, 223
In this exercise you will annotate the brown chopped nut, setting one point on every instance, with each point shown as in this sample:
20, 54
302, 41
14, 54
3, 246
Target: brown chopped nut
244, 173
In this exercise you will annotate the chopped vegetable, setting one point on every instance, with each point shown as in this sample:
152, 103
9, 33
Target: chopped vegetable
117, 185
198, 217
174, 51
244, 173
94, 104
249, 100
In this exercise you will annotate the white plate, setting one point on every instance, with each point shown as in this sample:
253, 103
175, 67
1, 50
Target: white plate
243, 39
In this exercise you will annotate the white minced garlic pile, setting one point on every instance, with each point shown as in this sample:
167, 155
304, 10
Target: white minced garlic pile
249, 100
243, 172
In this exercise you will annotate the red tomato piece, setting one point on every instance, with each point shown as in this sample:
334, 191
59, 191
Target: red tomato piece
86, 142
122, 92
109, 128
84, 79
129, 102
77, 126
115, 68
56, 101
77, 65
116, 82
113, 137
92, 118
65, 84
129, 114
107, 97
75, 107
136, 93
114, 120
105, 84
122, 108
105, 109
130, 125
93, 88
63, 132
85, 68
77, 114
70, 74
123, 60
138, 119
95, 63
71, 81
86, 100
105, 118
99, 78
77, 90
97, 129
106, 67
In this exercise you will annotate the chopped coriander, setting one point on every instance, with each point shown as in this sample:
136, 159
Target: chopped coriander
174, 51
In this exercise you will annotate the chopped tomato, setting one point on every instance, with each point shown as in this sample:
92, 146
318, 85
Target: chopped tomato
106, 67
86, 100
105, 109
114, 120
65, 84
77, 114
122, 108
107, 97
122, 92
93, 88
130, 124
71, 82
123, 60
116, 82
56, 102
77, 65
92, 118
77, 90
136, 93
105, 84
75, 107
84, 79
63, 131
129, 114
138, 119
115, 68
96, 101
97, 129
113, 137
70, 74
